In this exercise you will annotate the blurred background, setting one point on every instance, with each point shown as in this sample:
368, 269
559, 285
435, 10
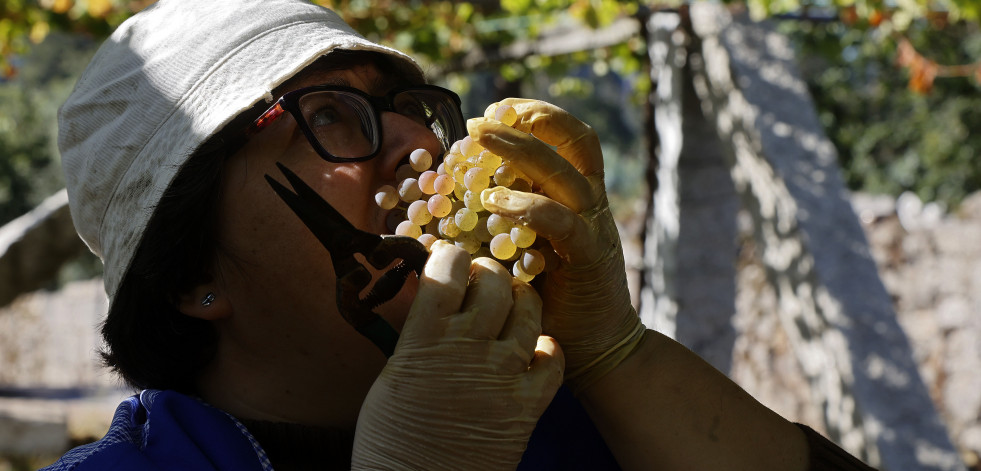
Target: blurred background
796, 184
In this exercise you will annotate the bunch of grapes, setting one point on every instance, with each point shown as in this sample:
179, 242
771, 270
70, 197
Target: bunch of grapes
445, 203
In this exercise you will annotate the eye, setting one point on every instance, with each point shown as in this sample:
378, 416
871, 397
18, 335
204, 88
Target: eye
324, 116
413, 109
322, 109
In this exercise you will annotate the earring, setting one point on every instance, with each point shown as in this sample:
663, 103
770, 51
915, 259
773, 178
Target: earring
208, 299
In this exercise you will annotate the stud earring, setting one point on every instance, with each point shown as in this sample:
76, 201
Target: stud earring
208, 299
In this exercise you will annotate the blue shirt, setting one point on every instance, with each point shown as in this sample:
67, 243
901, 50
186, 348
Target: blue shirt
166, 430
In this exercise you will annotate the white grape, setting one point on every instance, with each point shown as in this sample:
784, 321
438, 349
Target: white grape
426, 180
467, 241
459, 191
427, 240
386, 197
466, 219
439, 205
442, 201
498, 225
519, 273
448, 228
476, 180
489, 161
502, 247
451, 160
409, 190
406, 228
522, 236
504, 175
444, 185
506, 114
418, 213
532, 262
460, 170
420, 160
470, 147
472, 200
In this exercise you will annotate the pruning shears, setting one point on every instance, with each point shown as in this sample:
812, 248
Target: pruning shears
343, 240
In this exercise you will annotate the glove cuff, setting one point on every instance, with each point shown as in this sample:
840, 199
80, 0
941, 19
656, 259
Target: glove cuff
582, 377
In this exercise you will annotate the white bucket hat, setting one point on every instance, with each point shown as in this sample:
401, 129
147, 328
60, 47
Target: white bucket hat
169, 78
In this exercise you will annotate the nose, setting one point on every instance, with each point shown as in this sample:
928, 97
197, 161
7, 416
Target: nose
402, 136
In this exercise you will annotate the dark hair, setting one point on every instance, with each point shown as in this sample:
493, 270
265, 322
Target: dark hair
148, 341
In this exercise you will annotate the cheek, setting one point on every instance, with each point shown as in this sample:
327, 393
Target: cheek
348, 189
272, 244
258, 229
251, 206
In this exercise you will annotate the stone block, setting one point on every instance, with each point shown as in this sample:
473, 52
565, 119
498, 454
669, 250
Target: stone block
51, 340
24, 436
958, 238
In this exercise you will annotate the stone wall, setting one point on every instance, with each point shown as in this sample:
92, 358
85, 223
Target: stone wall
931, 266
53, 391
933, 272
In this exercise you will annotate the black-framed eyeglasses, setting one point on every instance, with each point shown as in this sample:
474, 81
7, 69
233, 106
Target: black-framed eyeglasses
343, 124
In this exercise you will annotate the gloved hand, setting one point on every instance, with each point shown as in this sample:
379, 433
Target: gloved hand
470, 375
586, 302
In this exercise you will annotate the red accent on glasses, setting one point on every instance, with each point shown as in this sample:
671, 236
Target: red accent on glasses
268, 117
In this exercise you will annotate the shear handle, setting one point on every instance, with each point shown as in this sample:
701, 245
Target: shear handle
342, 240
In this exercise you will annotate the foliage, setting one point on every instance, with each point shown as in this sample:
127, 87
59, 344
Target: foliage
878, 71
441, 32
30, 169
439, 29
862, 13
895, 132
26, 22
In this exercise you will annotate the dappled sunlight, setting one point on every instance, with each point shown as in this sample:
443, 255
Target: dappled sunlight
831, 303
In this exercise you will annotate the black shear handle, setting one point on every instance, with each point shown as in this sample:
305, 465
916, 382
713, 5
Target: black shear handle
342, 240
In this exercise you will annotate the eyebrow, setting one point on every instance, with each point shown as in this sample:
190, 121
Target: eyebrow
379, 85
385, 83
337, 81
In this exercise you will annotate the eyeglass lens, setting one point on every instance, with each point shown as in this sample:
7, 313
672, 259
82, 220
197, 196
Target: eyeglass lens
345, 123
342, 122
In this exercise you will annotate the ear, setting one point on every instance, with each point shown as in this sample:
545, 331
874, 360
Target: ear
205, 301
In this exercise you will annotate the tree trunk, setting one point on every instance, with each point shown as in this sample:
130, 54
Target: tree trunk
690, 290
832, 303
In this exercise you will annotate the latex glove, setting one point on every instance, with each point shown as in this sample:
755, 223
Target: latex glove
470, 375
587, 305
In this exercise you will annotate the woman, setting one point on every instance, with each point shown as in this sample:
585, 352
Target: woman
223, 305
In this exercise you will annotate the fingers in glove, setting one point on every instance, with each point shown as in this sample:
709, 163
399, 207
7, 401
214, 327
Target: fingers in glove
524, 325
441, 292
558, 177
547, 368
525, 322
574, 140
569, 234
488, 301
